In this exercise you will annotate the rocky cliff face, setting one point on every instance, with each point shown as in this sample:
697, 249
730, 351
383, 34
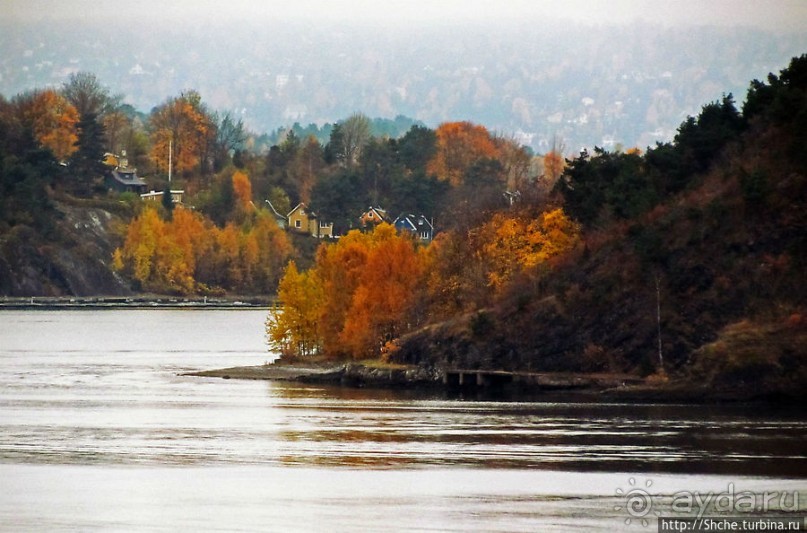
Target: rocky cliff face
74, 259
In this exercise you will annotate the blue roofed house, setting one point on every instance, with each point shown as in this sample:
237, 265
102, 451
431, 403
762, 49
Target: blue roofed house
420, 226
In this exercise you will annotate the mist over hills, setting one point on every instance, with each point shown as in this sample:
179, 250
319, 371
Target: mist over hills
606, 85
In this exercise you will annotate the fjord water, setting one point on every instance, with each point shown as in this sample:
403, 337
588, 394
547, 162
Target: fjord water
100, 431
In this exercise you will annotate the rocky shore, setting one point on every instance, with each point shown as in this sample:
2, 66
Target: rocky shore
568, 387
343, 374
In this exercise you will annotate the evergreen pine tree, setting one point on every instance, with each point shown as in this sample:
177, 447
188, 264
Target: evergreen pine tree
87, 162
168, 203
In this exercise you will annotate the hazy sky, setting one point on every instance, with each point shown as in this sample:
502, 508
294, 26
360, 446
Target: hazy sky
769, 14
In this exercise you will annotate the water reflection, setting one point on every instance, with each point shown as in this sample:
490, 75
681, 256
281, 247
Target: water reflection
335, 426
98, 430
69, 396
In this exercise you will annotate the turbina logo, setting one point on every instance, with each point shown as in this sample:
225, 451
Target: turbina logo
638, 502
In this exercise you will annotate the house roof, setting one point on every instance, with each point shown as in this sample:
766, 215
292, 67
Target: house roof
375, 213
274, 211
309, 213
299, 206
127, 176
412, 222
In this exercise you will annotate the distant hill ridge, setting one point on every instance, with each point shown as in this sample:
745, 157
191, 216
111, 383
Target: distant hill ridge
588, 85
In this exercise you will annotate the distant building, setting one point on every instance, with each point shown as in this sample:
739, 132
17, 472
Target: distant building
124, 180
157, 196
302, 220
373, 216
420, 226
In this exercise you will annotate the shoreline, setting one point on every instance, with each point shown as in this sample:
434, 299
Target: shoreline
134, 302
540, 387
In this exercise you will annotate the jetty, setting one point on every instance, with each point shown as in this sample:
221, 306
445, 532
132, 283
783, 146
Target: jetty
490, 380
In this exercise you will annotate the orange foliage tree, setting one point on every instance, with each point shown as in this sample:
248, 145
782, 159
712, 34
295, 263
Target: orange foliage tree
554, 163
339, 268
54, 122
510, 244
369, 285
459, 146
183, 125
382, 305
242, 189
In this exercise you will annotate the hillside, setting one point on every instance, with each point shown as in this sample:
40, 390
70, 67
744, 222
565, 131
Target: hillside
704, 282
71, 258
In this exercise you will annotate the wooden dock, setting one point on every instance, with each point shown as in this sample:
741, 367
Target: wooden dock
467, 379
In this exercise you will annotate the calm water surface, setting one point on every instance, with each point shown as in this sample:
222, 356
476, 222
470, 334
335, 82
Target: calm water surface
98, 431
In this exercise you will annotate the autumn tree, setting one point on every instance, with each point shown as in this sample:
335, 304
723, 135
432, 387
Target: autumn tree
294, 330
515, 160
367, 286
553, 163
456, 281
459, 146
189, 254
512, 244
273, 252
139, 250
182, 125
53, 121
382, 305
339, 268
242, 189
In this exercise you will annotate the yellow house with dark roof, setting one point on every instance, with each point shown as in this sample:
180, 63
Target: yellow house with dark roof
303, 220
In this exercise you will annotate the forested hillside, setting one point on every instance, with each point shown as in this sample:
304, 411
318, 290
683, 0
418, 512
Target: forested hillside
225, 236
692, 260
687, 259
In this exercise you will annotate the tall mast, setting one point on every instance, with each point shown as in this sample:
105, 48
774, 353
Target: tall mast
170, 153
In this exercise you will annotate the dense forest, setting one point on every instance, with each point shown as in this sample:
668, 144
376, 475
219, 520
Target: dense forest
686, 257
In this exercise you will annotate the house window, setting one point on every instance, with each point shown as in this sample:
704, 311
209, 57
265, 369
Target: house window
298, 223
323, 224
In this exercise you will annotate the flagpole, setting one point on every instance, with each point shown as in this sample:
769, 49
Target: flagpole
170, 153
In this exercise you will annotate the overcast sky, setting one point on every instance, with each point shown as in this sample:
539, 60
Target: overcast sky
768, 14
